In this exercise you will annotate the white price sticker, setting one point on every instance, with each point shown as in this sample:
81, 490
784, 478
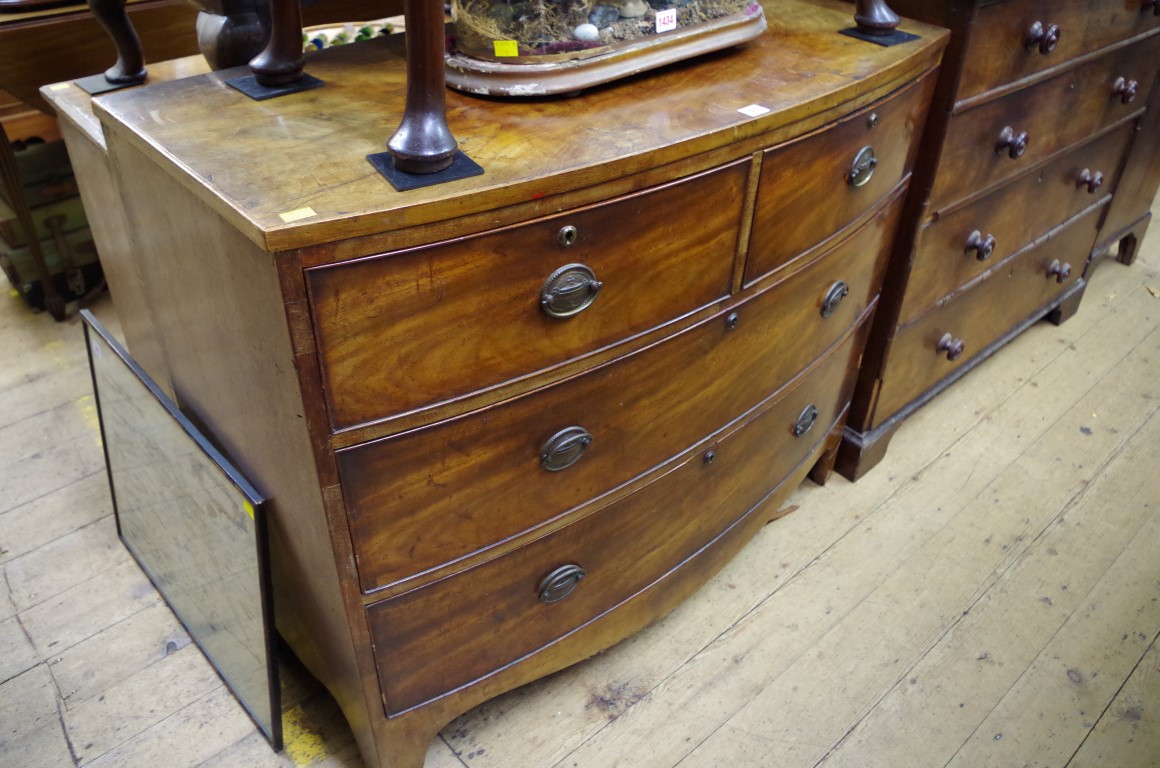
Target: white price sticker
667, 20
753, 110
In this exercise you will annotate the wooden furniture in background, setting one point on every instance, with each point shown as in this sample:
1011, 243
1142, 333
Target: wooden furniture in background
1038, 105
509, 420
43, 45
1130, 212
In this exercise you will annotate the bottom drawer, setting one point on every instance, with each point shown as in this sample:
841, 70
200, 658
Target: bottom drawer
953, 335
442, 636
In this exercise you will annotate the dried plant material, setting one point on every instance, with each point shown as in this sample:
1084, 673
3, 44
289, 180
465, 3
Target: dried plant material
1154, 291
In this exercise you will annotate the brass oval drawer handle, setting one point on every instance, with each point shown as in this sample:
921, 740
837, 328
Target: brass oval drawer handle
953, 347
862, 169
805, 421
560, 583
1060, 270
1014, 143
982, 245
1151, 5
1043, 36
833, 298
564, 448
1125, 90
1093, 181
569, 290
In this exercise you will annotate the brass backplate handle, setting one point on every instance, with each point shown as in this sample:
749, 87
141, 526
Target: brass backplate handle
564, 448
560, 583
805, 421
569, 290
862, 169
833, 298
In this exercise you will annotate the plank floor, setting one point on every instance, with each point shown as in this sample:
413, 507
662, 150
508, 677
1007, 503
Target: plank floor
988, 596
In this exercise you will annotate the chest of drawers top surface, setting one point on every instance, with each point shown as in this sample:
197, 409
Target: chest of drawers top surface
256, 161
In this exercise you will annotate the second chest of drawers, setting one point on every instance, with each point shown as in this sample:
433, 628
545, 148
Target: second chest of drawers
1037, 109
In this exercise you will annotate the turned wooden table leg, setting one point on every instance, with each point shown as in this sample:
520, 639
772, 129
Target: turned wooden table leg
423, 143
874, 17
282, 60
130, 66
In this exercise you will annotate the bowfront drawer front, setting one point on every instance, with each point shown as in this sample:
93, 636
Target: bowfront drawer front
504, 305
956, 248
492, 474
813, 187
1014, 39
948, 338
1007, 136
445, 635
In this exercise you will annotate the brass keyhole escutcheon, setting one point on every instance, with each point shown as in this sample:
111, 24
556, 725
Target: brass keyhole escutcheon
567, 236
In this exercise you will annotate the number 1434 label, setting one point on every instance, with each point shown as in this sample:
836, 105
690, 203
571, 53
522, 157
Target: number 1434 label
667, 20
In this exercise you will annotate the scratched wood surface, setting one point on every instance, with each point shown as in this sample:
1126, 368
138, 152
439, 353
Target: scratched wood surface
986, 596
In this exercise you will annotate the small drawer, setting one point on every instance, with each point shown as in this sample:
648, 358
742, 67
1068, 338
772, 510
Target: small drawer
950, 337
452, 632
493, 474
1012, 40
1005, 137
955, 249
813, 187
522, 299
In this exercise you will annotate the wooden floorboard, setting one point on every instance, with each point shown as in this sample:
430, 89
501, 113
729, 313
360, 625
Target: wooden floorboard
988, 595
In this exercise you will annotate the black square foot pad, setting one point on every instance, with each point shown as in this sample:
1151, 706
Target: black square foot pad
461, 167
250, 86
894, 38
97, 84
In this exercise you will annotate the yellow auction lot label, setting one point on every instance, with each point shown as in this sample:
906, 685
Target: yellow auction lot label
507, 48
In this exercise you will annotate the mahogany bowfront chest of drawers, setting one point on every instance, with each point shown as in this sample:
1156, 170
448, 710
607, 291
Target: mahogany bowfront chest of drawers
1037, 154
507, 421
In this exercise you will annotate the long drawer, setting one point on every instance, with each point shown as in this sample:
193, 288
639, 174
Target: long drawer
1006, 44
809, 189
948, 338
519, 300
444, 635
492, 474
982, 144
956, 248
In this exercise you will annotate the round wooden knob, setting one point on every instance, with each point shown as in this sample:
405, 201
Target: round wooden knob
560, 583
1059, 270
1014, 143
1045, 37
1093, 181
1125, 89
953, 347
982, 245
